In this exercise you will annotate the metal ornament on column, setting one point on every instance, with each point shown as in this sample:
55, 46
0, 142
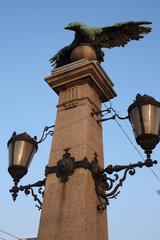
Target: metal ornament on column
144, 115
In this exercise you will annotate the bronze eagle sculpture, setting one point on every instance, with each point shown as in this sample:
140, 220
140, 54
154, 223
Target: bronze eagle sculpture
106, 37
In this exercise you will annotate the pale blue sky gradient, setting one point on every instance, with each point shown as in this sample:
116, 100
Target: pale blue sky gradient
31, 32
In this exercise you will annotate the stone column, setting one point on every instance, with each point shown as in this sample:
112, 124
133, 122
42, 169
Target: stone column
70, 209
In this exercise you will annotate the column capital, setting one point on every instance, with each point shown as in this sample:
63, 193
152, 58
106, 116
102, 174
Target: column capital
81, 72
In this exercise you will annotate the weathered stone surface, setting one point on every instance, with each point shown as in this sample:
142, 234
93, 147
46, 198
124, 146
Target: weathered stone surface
69, 210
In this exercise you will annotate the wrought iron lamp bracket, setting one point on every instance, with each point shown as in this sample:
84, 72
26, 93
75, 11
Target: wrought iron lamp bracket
104, 185
28, 189
45, 133
108, 111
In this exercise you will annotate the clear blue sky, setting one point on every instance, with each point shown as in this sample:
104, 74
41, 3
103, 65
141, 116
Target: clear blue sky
31, 32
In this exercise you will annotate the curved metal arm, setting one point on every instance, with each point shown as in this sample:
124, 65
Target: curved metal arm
46, 133
105, 184
108, 110
28, 189
113, 117
105, 187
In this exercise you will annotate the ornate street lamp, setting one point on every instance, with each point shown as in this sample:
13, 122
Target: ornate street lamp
144, 115
21, 151
22, 148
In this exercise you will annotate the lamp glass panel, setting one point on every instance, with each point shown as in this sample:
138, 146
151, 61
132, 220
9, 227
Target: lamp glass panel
151, 118
135, 121
21, 153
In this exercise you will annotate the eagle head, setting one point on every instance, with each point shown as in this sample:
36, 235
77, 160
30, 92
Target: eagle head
74, 26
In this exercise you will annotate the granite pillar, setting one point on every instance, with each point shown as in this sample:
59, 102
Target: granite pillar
69, 209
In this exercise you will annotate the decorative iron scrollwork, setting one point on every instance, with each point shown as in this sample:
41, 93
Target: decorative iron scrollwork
28, 189
45, 133
106, 187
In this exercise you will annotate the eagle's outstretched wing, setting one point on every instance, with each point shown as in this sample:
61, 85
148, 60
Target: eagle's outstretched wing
121, 33
61, 57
